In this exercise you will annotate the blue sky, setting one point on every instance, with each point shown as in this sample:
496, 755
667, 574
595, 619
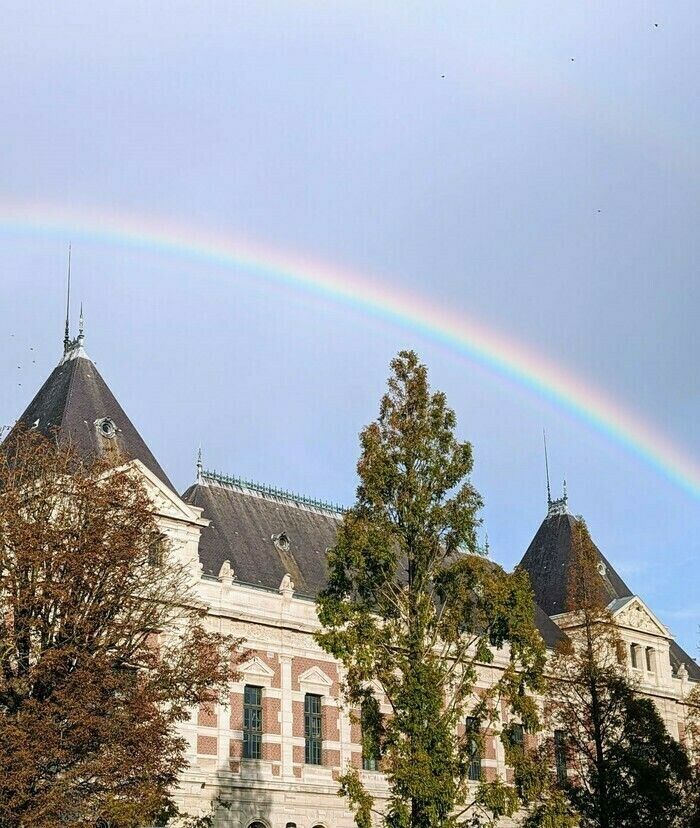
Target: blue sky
532, 165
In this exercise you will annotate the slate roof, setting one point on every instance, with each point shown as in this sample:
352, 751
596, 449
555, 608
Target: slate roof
246, 519
548, 558
73, 400
679, 656
547, 561
244, 525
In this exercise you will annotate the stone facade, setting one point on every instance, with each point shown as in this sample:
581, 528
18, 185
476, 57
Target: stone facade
282, 658
284, 541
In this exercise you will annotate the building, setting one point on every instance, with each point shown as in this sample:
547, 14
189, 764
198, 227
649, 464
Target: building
257, 554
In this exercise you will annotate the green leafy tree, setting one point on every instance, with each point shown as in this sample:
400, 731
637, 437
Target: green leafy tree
412, 605
624, 769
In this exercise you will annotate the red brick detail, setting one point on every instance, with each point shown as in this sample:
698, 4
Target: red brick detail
356, 759
206, 745
276, 770
235, 749
489, 774
298, 754
271, 752
681, 733
206, 716
298, 718
355, 732
301, 665
235, 767
236, 711
529, 741
331, 723
489, 747
510, 776
297, 772
336, 775
330, 758
271, 715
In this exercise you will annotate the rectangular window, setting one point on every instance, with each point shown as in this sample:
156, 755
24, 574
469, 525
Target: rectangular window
634, 655
650, 659
560, 756
517, 735
252, 722
371, 751
474, 770
313, 730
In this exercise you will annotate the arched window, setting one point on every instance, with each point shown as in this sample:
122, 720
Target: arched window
257, 825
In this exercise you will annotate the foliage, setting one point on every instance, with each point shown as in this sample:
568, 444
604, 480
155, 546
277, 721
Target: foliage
625, 770
413, 606
102, 647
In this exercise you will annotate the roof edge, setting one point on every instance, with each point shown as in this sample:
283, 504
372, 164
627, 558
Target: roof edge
207, 477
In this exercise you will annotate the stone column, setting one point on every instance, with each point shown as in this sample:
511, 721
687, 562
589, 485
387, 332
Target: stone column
286, 717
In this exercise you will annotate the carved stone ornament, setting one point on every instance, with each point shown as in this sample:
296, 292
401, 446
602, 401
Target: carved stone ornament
287, 585
637, 618
226, 573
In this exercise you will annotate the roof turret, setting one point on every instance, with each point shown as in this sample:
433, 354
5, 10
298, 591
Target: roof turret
76, 404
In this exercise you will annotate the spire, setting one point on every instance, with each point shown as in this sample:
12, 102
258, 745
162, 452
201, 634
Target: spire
66, 335
546, 468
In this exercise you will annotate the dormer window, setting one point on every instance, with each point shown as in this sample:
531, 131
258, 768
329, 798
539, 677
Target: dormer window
106, 427
281, 541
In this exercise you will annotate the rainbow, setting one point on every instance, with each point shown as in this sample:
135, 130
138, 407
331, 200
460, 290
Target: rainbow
417, 313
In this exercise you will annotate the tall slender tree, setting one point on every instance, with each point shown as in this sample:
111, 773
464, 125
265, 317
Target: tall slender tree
624, 769
103, 649
413, 606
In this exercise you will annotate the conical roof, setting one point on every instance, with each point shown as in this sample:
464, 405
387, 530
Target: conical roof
548, 559
76, 403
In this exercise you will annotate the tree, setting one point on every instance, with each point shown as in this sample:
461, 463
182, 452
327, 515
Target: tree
102, 646
413, 606
624, 769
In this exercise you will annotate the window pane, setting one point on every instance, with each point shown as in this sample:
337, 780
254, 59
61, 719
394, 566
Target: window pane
474, 770
252, 722
560, 755
312, 729
371, 751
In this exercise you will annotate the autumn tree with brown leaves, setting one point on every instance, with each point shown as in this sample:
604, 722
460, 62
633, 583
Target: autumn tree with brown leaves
617, 762
103, 649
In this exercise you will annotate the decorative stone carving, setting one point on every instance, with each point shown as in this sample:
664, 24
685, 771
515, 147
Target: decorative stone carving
287, 586
637, 618
226, 573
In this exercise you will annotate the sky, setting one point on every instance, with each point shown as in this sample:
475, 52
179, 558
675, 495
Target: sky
533, 166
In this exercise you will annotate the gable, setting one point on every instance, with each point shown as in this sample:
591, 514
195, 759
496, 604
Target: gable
633, 614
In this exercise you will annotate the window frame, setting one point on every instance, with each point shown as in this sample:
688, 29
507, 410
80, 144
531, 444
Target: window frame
252, 716
560, 757
313, 729
475, 757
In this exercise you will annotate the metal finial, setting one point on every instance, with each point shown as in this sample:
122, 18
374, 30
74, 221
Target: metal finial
546, 467
81, 326
199, 465
565, 496
66, 336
